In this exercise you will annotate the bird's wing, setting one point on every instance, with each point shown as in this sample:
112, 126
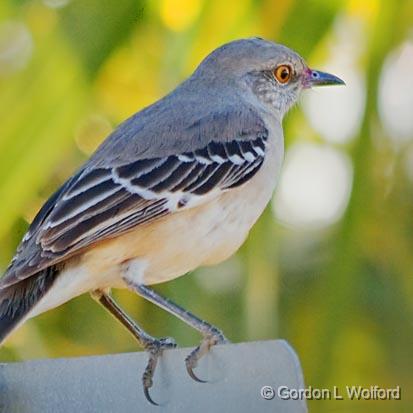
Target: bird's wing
104, 202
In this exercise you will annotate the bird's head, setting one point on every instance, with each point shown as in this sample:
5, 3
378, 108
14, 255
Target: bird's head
275, 74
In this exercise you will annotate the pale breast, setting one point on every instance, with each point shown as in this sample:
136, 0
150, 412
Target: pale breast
204, 235
176, 244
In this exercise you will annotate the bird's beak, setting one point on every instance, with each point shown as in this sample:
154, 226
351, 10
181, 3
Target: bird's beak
317, 78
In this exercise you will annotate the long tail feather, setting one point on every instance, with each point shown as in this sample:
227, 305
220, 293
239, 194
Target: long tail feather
17, 300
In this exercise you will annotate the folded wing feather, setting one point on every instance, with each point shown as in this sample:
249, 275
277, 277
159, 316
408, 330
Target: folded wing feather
100, 203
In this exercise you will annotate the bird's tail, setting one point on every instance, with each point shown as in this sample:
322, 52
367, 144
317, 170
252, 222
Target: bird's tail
18, 299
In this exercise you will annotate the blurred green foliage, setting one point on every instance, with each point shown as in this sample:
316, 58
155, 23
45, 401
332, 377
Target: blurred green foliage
341, 294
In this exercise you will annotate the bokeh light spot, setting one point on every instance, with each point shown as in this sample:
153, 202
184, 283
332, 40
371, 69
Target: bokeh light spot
91, 133
223, 278
16, 47
336, 112
396, 93
315, 186
56, 4
178, 15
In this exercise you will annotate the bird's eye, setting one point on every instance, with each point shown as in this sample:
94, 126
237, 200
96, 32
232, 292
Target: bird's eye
283, 74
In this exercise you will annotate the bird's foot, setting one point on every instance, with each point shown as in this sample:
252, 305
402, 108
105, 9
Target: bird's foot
155, 348
211, 337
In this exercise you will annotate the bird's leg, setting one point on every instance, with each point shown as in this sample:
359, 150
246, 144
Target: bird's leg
153, 346
211, 334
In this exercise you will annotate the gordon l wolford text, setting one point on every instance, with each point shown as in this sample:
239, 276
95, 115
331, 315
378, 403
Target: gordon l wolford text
352, 393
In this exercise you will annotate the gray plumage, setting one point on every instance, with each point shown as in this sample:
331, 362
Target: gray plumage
18, 299
206, 137
201, 110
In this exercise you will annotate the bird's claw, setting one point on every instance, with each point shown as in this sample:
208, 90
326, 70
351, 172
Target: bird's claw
211, 338
191, 363
155, 349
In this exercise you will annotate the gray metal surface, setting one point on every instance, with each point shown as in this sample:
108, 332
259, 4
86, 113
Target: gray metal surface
235, 373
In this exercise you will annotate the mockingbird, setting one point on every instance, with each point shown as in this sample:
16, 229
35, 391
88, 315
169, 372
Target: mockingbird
176, 186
